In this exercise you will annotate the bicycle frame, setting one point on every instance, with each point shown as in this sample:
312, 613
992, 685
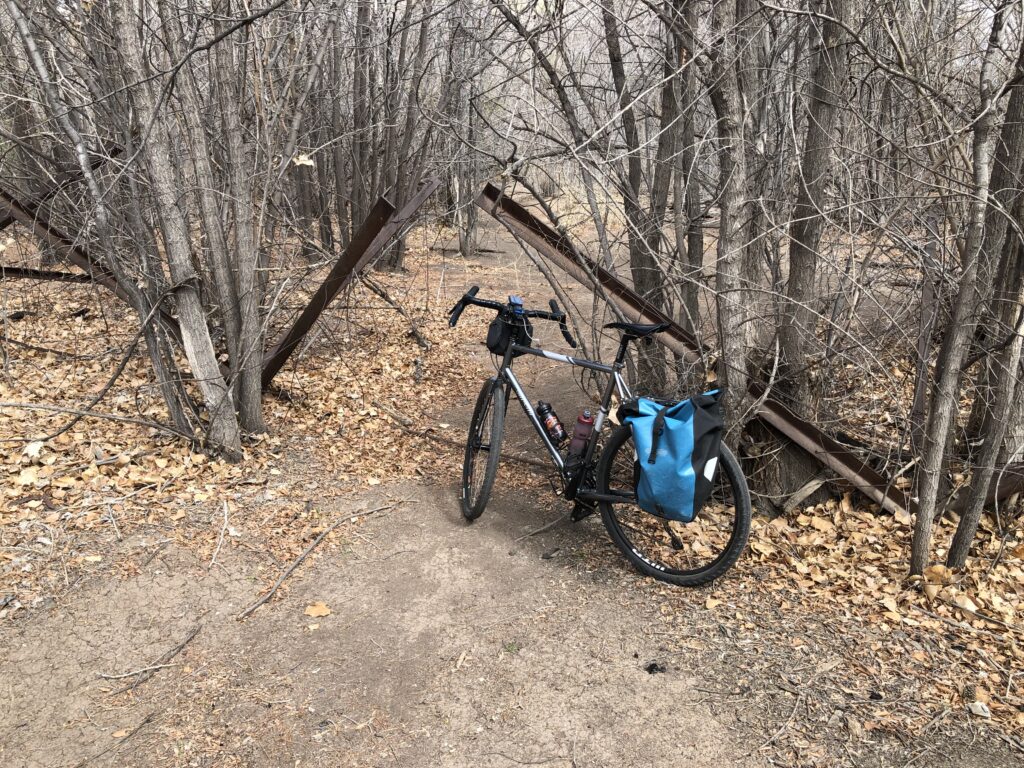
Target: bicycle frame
615, 383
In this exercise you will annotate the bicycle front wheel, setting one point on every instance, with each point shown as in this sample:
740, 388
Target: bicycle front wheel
685, 554
483, 449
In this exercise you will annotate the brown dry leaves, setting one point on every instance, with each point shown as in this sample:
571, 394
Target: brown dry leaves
850, 562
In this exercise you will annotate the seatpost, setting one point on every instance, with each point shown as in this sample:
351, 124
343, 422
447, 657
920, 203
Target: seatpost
620, 356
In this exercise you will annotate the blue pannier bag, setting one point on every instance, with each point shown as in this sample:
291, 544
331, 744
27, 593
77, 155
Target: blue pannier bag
677, 449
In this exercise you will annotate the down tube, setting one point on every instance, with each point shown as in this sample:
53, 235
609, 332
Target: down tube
532, 416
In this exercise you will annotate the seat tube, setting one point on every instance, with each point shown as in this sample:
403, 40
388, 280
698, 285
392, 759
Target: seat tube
620, 356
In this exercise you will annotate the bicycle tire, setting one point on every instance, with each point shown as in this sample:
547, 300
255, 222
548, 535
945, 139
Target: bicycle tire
490, 407
626, 522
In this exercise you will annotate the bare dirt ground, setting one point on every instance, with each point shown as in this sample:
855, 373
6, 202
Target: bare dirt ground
447, 645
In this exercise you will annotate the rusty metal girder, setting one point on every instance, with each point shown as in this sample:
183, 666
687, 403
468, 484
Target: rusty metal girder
557, 249
24, 273
1007, 481
63, 180
34, 220
382, 224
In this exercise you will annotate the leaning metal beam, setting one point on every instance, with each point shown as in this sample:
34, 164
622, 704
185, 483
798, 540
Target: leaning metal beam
382, 224
23, 273
63, 180
78, 255
557, 248
372, 226
1007, 481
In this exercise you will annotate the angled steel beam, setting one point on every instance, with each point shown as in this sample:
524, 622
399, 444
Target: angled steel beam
63, 180
40, 226
1007, 481
379, 216
23, 273
557, 249
382, 224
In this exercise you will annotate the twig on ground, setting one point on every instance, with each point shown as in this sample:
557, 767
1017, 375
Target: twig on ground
120, 742
133, 673
220, 539
405, 424
545, 527
161, 663
305, 553
784, 727
113, 521
89, 414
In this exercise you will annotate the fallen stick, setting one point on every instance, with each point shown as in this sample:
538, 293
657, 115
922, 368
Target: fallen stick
89, 414
161, 663
305, 553
133, 673
120, 742
220, 539
404, 424
545, 527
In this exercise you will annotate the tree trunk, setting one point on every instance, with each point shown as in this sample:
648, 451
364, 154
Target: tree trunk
206, 183
247, 260
732, 185
1000, 236
958, 333
223, 428
797, 333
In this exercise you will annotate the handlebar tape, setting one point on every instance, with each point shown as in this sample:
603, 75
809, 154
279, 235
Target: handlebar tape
561, 323
456, 312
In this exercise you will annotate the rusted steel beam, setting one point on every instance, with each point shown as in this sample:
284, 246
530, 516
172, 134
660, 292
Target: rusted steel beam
357, 250
1007, 481
23, 273
380, 226
78, 255
63, 180
559, 251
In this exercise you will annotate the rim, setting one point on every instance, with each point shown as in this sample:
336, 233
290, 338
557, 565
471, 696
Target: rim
675, 548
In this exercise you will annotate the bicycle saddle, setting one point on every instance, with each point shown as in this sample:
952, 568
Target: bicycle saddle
638, 330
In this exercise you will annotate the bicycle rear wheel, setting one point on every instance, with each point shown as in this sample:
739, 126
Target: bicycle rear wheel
685, 554
483, 449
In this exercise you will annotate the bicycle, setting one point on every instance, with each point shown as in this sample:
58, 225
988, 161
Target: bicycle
687, 554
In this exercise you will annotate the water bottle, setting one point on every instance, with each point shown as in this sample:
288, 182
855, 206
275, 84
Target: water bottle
581, 432
549, 419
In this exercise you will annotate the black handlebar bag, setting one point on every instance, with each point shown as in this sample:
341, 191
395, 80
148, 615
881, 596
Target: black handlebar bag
504, 331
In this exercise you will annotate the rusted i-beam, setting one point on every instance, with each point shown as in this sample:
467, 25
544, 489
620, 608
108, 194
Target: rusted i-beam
23, 273
33, 220
380, 226
62, 181
1007, 481
557, 249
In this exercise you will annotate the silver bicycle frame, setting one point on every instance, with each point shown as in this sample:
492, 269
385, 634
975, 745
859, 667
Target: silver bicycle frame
616, 382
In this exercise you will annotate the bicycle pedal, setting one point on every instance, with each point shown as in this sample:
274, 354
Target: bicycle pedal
581, 511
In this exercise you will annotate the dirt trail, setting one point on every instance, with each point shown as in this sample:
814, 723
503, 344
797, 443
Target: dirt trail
448, 645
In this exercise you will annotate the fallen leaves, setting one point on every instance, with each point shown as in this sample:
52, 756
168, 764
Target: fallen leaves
68, 491
317, 610
980, 709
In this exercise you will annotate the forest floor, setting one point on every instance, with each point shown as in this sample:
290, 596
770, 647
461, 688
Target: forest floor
410, 638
